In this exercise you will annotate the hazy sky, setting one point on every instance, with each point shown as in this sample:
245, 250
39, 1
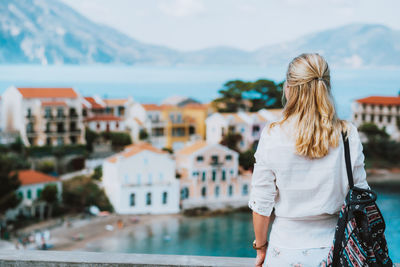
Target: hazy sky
245, 24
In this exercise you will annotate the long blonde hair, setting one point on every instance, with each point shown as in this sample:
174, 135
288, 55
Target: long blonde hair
310, 104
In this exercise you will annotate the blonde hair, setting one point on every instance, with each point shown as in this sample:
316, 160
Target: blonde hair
310, 104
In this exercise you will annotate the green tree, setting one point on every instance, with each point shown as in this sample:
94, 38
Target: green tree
98, 173
118, 139
246, 159
90, 137
143, 135
231, 140
46, 166
252, 96
50, 196
82, 192
9, 166
373, 132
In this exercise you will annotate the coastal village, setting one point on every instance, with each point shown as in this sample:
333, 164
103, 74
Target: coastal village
176, 156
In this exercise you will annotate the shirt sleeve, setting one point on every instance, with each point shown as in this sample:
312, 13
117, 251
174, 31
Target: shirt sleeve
359, 173
263, 188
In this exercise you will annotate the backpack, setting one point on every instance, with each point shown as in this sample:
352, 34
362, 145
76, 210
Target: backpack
359, 237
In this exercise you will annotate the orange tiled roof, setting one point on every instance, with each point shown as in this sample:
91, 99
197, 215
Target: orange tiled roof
93, 103
54, 103
28, 177
195, 106
192, 148
48, 92
380, 100
104, 117
134, 149
115, 102
152, 107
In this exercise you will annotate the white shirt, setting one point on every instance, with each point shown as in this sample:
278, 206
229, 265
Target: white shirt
307, 194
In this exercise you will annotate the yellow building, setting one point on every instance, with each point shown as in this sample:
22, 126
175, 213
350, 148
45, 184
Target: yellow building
171, 126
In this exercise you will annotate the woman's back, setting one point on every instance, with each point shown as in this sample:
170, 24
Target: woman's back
307, 193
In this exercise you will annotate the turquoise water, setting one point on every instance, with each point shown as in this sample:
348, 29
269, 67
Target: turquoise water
152, 84
223, 235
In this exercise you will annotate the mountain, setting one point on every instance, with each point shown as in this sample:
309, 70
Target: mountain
50, 32
351, 45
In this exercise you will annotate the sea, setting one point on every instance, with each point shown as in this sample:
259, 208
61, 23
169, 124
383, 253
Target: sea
148, 84
228, 235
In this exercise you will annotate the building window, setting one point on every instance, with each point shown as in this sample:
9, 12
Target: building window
20, 195
214, 159
29, 194
214, 175
200, 158
47, 113
164, 197
98, 126
355, 116
245, 190
230, 190
185, 193
228, 157
362, 117
242, 130
148, 199
203, 177
203, 191
60, 113
223, 175
217, 191
29, 113
380, 107
372, 118
192, 130
38, 193
178, 131
60, 141
380, 118
132, 200
389, 119
116, 125
48, 141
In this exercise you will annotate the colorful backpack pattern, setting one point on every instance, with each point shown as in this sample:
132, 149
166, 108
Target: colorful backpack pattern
359, 238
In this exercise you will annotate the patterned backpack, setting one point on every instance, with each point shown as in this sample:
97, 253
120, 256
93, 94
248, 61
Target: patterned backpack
359, 238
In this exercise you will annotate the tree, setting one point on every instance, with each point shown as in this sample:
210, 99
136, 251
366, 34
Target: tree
98, 173
373, 132
46, 166
246, 159
81, 192
231, 140
90, 137
9, 166
118, 139
143, 135
251, 96
50, 196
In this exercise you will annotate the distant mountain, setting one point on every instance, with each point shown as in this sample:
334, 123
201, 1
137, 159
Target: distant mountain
352, 45
50, 32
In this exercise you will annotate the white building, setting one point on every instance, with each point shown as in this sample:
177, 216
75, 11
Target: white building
247, 124
209, 177
32, 184
383, 111
43, 116
141, 180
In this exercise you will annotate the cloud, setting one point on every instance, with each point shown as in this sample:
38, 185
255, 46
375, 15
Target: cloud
181, 8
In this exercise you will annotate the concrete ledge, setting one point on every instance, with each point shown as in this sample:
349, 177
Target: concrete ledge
34, 258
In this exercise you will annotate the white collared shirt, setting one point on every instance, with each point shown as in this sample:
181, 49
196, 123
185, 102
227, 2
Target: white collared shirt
307, 194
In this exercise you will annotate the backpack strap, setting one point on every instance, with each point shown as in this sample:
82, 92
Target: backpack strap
348, 160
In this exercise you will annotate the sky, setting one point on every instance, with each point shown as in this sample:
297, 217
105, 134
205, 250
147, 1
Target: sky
246, 24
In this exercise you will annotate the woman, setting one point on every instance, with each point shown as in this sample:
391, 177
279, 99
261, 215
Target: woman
300, 171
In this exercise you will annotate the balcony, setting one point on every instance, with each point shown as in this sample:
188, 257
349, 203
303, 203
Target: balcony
28, 258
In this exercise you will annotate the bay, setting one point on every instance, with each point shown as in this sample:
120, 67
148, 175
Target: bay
153, 84
228, 235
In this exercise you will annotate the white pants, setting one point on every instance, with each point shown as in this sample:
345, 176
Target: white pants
287, 257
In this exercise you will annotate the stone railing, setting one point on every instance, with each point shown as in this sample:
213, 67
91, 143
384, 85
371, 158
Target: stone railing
33, 258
